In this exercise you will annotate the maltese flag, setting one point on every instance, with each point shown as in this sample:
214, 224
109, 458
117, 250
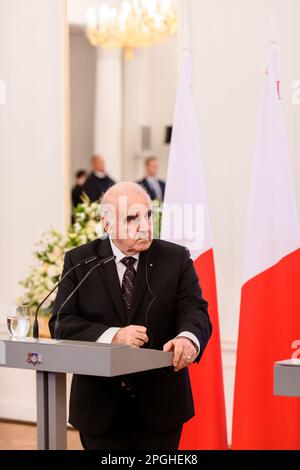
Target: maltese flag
270, 297
185, 221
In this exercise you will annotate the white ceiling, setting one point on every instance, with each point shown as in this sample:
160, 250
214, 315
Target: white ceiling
77, 9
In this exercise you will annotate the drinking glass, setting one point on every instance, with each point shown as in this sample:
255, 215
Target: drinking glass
18, 320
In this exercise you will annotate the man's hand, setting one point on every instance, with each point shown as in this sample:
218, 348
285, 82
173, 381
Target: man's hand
133, 335
184, 352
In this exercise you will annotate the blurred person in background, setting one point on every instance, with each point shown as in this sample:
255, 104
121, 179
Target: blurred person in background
81, 176
154, 186
98, 181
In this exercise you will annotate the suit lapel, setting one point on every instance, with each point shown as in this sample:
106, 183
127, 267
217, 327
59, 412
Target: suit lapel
145, 262
109, 275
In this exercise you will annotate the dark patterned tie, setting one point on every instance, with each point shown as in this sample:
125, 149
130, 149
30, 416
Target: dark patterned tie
128, 281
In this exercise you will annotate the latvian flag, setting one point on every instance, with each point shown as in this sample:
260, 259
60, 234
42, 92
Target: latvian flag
270, 298
186, 197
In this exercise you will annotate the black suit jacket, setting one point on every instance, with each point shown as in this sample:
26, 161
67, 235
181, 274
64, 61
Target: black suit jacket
164, 396
95, 187
76, 195
150, 191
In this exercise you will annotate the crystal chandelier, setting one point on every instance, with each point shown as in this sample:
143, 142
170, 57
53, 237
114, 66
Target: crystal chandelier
137, 24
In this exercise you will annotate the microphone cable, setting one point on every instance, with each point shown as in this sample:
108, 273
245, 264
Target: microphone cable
154, 297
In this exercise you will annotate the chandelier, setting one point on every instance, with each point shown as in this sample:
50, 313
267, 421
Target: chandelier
136, 24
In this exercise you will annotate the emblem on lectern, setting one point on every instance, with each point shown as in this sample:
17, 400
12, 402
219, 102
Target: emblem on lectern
34, 358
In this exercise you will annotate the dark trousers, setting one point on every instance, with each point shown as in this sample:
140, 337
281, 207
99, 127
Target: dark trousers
127, 431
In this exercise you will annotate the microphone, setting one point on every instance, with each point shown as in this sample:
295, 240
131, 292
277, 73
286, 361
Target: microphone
57, 325
84, 262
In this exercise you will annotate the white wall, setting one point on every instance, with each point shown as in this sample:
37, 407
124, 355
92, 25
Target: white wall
230, 43
82, 97
150, 82
32, 153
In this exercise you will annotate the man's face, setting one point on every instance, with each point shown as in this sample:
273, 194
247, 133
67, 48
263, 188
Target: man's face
131, 227
152, 168
98, 164
81, 180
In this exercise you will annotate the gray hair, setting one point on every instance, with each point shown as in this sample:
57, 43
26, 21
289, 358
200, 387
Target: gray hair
109, 199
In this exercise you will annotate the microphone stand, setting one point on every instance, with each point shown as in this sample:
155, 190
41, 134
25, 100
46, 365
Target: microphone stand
35, 332
56, 334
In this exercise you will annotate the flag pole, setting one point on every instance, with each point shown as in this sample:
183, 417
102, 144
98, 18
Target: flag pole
184, 36
184, 42
273, 30
185, 25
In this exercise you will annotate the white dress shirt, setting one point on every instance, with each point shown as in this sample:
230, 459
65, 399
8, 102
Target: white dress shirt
108, 335
99, 174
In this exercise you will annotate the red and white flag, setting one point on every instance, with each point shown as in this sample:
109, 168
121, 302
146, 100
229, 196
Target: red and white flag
186, 222
270, 298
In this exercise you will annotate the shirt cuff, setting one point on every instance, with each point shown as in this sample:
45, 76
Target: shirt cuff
192, 337
108, 335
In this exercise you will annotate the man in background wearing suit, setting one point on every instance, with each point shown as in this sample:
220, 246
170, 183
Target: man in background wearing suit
98, 181
154, 186
148, 297
81, 176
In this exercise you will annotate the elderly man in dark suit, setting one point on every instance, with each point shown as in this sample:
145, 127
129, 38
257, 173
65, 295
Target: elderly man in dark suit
148, 297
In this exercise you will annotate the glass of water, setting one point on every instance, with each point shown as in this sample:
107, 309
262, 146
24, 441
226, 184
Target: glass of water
18, 320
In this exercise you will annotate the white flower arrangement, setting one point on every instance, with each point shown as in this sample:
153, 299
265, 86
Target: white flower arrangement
50, 253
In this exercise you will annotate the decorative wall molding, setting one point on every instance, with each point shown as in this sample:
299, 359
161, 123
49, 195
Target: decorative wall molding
17, 410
